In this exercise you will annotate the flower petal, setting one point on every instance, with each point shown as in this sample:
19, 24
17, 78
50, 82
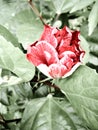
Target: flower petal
75, 37
42, 53
57, 54
57, 70
68, 59
72, 70
44, 69
64, 37
48, 35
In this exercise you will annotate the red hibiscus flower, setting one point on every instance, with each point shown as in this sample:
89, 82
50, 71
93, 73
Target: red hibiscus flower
57, 53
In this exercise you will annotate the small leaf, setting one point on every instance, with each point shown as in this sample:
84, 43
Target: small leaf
81, 88
93, 18
11, 58
49, 114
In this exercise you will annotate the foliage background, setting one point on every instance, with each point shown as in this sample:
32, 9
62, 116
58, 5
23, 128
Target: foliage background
26, 101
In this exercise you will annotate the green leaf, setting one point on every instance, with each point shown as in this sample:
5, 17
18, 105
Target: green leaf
41, 91
11, 58
93, 44
81, 4
85, 46
3, 97
94, 48
81, 88
3, 109
64, 6
28, 27
92, 38
49, 114
93, 18
11, 7
21, 21
93, 60
9, 36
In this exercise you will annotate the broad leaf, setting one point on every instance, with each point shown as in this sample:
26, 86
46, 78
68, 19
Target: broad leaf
9, 36
11, 7
28, 27
64, 6
81, 88
21, 21
11, 58
93, 18
81, 4
50, 114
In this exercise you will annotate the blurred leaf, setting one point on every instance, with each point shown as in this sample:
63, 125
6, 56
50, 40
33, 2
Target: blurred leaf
41, 91
10, 80
21, 21
84, 45
9, 36
3, 109
81, 88
49, 114
28, 28
20, 91
81, 4
93, 18
93, 38
93, 44
8, 9
13, 59
93, 60
64, 6
3, 96
94, 48
14, 98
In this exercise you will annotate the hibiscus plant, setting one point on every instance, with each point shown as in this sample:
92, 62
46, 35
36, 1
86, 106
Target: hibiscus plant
48, 65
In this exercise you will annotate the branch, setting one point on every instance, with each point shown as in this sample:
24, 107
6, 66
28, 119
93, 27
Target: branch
36, 11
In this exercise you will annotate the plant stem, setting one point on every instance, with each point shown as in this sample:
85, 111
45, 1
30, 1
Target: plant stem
36, 11
57, 17
44, 80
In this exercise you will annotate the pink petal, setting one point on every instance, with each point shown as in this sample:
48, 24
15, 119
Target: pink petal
72, 70
57, 70
64, 37
68, 59
42, 53
75, 37
44, 69
48, 35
